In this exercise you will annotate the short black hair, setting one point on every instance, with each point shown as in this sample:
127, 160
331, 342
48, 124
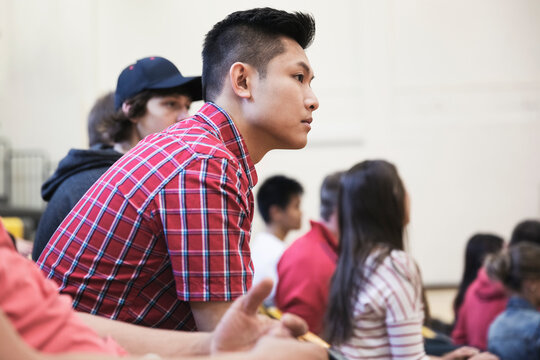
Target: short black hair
528, 230
253, 37
277, 190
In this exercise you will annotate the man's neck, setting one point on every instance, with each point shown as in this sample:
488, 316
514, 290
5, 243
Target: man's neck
277, 231
126, 145
252, 138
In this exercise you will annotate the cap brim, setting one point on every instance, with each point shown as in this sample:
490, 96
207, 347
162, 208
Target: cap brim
191, 85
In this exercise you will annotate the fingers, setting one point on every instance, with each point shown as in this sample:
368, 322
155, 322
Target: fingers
270, 347
485, 356
255, 296
296, 325
279, 331
467, 351
462, 352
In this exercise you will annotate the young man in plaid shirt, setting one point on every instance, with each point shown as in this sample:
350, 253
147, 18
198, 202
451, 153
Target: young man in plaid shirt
162, 238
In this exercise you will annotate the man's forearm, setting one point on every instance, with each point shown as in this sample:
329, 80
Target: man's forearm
142, 340
208, 314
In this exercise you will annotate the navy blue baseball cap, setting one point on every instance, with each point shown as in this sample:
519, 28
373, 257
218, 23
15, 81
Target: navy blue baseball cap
154, 73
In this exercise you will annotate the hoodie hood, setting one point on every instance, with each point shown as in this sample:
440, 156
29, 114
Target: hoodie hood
487, 289
77, 161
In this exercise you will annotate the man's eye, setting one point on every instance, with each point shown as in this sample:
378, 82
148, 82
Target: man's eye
299, 77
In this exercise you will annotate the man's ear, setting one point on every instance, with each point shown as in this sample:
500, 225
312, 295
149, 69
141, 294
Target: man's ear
125, 109
240, 75
274, 213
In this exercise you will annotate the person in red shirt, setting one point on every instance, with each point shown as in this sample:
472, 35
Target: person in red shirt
306, 267
162, 238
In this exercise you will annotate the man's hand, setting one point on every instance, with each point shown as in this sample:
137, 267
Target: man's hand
484, 356
461, 353
470, 353
286, 348
241, 327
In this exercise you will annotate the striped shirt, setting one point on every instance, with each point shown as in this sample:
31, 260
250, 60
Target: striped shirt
388, 312
168, 223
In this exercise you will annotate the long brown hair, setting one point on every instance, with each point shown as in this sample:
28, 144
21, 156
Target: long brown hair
372, 215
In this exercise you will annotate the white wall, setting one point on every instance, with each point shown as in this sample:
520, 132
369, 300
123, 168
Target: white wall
447, 90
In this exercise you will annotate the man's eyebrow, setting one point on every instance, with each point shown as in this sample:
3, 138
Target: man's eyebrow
306, 68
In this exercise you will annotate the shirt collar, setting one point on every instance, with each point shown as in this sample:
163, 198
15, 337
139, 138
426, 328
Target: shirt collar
231, 137
328, 236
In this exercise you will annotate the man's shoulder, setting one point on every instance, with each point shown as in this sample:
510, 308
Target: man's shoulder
308, 239
192, 139
178, 147
303, 250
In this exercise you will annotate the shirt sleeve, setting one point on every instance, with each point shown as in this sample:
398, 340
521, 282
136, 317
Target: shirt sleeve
207, 225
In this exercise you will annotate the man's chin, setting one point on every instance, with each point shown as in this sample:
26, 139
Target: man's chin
299, 144
292, 145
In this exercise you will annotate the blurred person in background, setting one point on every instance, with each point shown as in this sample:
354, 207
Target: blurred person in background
279, 201
375, 306
478, 247
307, 265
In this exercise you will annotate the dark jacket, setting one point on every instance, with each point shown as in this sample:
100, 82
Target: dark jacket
75, 174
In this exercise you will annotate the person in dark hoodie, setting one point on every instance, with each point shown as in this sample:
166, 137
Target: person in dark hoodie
150, 95
485, 299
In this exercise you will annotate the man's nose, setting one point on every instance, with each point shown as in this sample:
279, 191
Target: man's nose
311, 101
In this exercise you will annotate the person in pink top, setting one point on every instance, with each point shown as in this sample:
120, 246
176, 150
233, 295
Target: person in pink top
30, 307
478, 247
484, 301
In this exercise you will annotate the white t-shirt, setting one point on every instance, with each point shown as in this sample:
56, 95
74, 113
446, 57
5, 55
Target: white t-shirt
266, 250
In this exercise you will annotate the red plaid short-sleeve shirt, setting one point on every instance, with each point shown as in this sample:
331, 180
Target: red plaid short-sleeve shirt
168, 223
